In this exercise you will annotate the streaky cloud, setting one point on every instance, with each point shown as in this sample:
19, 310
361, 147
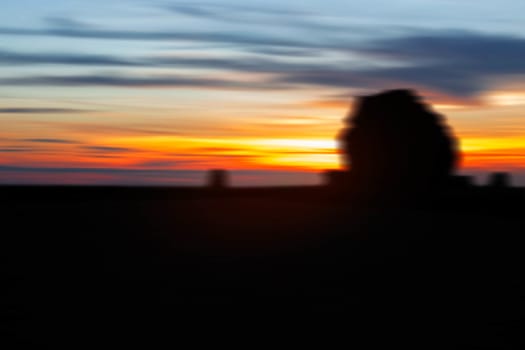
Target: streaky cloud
22, 110
213, 37
45, 140
159, 163
242, 14
248, 64
87, 170
453, 63
15, 149
194, 10
107, 149
284, 51
216, 10
17, 58
129, 81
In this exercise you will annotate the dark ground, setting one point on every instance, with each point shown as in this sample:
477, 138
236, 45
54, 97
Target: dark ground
93, 265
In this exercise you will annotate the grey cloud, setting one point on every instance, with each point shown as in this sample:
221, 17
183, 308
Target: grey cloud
284, 51
251, 64
460, 63
248, 64
116, 130
213, 37
123, 81
16, 110
15, 149
66, 22
328, 77
247, 15
194, 11
235, 13
456, 47
42, 140
449, 81
455, 63
160, 163
261, 15
107, 149
16, 58
203, 9
109, 171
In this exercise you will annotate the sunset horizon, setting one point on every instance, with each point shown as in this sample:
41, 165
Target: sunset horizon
160, 92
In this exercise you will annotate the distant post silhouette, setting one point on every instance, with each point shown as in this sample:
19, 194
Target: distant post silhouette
217, 179
499, 180
393, 142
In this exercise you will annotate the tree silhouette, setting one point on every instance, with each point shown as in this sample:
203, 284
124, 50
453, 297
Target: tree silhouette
393, 141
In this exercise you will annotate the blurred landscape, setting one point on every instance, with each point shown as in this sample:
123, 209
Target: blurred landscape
172, 170
86, 263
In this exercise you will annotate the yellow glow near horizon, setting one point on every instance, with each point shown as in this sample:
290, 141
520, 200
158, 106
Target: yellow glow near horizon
472, 144
306, 149
296, 143
177, 142
446, 106
307, 154
512, 98
304, 153
304, 161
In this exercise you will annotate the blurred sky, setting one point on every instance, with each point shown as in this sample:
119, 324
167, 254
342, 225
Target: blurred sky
157, 91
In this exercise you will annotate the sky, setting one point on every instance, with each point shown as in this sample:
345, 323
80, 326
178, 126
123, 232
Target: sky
156, 92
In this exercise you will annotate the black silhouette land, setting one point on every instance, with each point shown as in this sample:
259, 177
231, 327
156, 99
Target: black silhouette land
395, 250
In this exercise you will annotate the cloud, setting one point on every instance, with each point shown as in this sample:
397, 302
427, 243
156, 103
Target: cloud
15, 149
42, 140
133, 82
222, 11
448, 81
284, 51
459, 47
17, 58
260, 26
160, 163
16, 110
235, 13
168, 35
453, 63
450, 63
253, 15
245, 64
107, 171
217, 149
195, 10
107, 149
112, 130
461, 63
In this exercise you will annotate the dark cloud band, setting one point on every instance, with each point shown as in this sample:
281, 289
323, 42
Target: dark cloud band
38, 110
460, 64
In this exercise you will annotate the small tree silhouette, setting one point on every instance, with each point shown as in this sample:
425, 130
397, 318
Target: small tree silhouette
218, 179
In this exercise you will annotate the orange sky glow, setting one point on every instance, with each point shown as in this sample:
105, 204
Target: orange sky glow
293, 140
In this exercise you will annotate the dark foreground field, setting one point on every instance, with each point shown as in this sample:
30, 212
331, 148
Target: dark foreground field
93, 265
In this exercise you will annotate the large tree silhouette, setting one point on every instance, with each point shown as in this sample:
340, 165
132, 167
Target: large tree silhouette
394, 141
